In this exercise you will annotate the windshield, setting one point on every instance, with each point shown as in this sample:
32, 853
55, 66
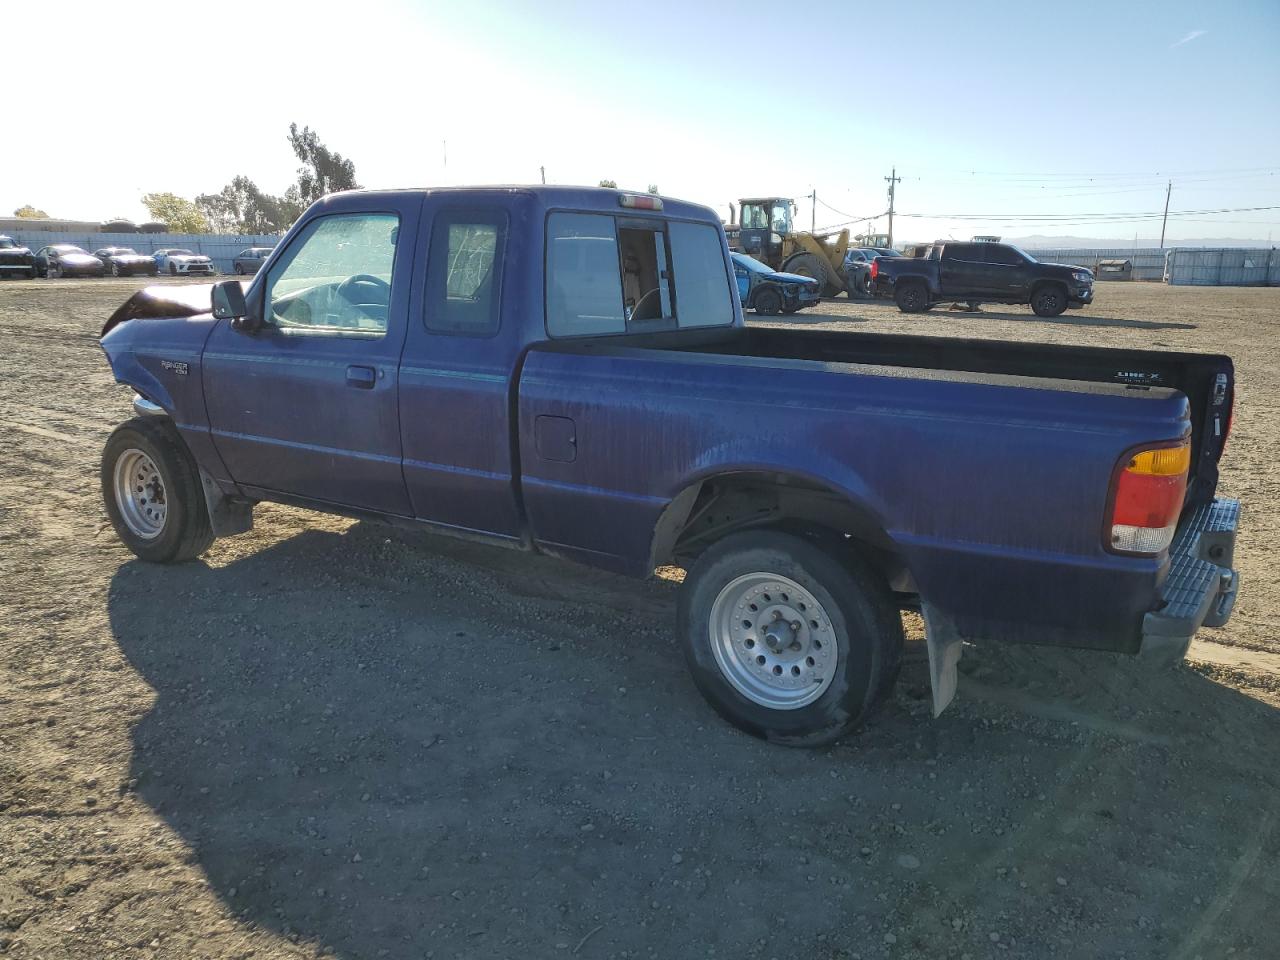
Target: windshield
181, 253
751, 263
886, 252
68, 248
6, 243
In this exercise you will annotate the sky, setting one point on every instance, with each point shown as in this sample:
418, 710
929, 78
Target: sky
1012, 119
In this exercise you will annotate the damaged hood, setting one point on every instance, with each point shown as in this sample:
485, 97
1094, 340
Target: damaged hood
156, 302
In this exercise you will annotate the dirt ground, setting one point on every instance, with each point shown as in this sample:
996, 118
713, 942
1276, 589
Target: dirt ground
331, 739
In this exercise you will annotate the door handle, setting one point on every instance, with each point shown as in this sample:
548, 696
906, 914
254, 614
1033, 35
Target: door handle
362, 378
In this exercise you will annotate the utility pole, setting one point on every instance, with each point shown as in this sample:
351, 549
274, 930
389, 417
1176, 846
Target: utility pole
543, 171
1168, 190
894, 180
813, 211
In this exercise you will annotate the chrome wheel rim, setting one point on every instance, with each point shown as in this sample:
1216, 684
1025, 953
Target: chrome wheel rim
773, 641
140, 494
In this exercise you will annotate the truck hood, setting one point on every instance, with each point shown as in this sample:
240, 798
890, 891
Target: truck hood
153, 303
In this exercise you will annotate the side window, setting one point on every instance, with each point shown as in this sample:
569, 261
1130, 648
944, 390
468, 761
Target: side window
960, 251
584, 285
704, 292
336, 278
995, 253
464, 273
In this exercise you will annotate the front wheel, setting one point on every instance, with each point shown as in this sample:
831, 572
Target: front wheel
115, 269
785, 641
173, 270
768, 301
1049, 301
54, 272
151, 489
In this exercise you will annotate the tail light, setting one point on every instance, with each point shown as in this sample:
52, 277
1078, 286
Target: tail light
875, 268
1146, 499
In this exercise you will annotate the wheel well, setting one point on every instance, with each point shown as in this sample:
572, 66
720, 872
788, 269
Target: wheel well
1047, 282
713, 508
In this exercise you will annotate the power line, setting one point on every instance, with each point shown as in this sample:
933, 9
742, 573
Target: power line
1046, 217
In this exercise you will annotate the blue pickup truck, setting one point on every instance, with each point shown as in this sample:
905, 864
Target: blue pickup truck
566, 371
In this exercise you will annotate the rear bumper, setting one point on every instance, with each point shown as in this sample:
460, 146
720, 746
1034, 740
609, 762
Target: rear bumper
1201, 587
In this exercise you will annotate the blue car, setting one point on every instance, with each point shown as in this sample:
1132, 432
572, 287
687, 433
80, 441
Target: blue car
766, 291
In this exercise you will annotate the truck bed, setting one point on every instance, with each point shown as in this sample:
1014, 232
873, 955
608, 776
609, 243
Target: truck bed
1068, 366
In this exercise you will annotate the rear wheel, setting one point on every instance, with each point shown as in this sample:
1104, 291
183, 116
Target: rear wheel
912, 297
54, 272
115, 269
1049, 300
239, 270
785, 641
768, 301
151, 490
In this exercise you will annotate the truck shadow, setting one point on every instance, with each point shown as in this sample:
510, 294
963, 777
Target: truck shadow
1068, 319
385, 745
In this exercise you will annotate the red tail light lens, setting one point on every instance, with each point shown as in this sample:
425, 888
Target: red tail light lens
875, 268
1147, 499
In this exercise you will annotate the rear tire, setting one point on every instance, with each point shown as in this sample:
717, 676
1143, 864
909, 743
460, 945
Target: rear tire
115, 269
812, 674
768, 301
1049, 300
152, 493
54, 272
239, 270
912, 297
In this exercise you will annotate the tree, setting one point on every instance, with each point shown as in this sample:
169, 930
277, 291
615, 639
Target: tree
612, 185
241, 207
30, 213
323, 170
179, 213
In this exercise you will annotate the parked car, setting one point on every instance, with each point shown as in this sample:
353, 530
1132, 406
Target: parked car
125, 261
466, 360
981, 273
248, 261
15, 259
765, 290
176, 261
66, 260
857, 268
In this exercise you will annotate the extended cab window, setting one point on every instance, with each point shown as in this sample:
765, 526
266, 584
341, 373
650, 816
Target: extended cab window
608, 274
464, 272
336, 277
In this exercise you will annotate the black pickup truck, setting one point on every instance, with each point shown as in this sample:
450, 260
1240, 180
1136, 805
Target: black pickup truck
981, 272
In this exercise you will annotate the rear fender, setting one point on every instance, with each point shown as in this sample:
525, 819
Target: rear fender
742, 459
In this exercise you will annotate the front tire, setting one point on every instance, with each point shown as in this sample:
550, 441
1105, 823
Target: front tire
54, 272
173, 270
786, 641
1049, 300
152, 493
115, 269
768, 301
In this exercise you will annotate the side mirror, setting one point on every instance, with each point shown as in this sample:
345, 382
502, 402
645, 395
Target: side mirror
229, 304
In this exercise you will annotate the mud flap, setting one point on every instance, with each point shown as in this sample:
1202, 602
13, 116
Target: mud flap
945, 647
227, 517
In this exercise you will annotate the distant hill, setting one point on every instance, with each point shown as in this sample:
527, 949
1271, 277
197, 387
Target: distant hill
1112, 243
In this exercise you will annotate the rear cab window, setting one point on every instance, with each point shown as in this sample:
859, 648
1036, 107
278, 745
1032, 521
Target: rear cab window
608, 274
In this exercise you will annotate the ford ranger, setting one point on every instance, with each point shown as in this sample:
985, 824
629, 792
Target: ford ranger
566, 371
981, 272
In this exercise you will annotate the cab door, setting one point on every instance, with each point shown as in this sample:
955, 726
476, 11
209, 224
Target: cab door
962, 270
307, 407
